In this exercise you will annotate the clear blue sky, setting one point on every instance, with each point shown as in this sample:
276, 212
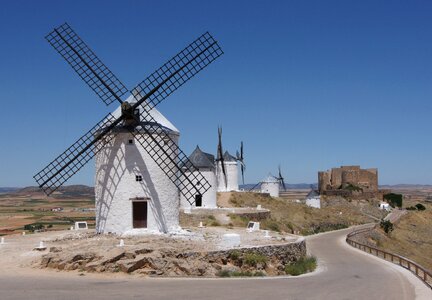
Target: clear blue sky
307, 84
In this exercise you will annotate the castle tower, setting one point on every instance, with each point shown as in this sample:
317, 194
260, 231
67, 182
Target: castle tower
205, 163
133, 194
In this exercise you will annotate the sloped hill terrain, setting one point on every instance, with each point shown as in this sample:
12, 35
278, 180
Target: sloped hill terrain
411, 237
294, 217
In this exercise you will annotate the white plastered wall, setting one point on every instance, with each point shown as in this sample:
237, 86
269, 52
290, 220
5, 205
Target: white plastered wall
271, 188
209, 197
117, 164
231, 169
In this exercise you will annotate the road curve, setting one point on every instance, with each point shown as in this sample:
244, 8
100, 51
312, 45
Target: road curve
343, 273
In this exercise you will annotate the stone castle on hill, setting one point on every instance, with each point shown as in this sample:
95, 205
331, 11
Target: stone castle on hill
348, 181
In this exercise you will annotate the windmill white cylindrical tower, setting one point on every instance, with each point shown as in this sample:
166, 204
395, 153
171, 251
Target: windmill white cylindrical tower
133, 194
205, 163
271, 186
231, 170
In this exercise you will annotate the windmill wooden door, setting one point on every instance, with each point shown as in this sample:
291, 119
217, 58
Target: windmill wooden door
139, 214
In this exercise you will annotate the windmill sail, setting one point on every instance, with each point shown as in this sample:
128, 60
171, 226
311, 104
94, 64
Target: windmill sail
155, 88
76, 156
179, 69
86, 64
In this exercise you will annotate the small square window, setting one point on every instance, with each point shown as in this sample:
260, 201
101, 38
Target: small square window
130, 141
138, 177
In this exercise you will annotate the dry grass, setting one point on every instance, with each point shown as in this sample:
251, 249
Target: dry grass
299, 218
411, 237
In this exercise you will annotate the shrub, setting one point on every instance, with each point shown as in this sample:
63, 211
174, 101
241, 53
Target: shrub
224, 273
352, 187
234, 255
252, 259
420, 206
387, 226
271, 225
301, 266
215, 223
394, 199
33, 227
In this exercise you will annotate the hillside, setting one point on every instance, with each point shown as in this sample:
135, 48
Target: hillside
294, 217
411, 237
69, 191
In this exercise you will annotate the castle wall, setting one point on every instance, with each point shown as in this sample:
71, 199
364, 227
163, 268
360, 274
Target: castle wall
324, 181
367, 179
336, 177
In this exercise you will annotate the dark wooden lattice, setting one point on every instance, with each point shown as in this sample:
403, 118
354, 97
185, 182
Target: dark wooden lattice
75, 157
87, 65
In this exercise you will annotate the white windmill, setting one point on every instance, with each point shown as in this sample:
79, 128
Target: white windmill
138, 173
205, 164
227, 167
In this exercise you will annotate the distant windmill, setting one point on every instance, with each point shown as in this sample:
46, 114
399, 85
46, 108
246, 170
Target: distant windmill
227, 167
272, 184
205, 164
240, 158
280, 178
139, 166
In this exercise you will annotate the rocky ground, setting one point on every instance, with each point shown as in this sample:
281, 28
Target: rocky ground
201, 252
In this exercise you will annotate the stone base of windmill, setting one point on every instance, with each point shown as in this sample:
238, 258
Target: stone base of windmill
206, 252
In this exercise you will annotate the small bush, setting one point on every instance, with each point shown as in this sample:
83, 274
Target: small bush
387, 226
252, 259
301, 266
411, 208
215, 223
271, 225
226, 273
352, 187
420, 206
33, 227
234, 255
395, 200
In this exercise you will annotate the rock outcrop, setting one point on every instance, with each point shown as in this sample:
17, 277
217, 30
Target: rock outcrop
268, 260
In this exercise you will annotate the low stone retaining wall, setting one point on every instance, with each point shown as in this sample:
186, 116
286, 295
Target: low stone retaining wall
266, 260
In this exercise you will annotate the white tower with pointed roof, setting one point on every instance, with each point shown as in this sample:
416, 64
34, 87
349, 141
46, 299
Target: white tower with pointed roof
205, 163
133, 194
231, 169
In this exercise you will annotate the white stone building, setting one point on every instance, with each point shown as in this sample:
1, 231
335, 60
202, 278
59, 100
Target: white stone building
313, 199
231, 170
133, 194
205, 163
271, 186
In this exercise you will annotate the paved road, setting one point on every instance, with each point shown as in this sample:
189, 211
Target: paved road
344, 273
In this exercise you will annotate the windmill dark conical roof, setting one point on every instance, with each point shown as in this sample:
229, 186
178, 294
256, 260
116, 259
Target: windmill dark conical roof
201, 159
228, 157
